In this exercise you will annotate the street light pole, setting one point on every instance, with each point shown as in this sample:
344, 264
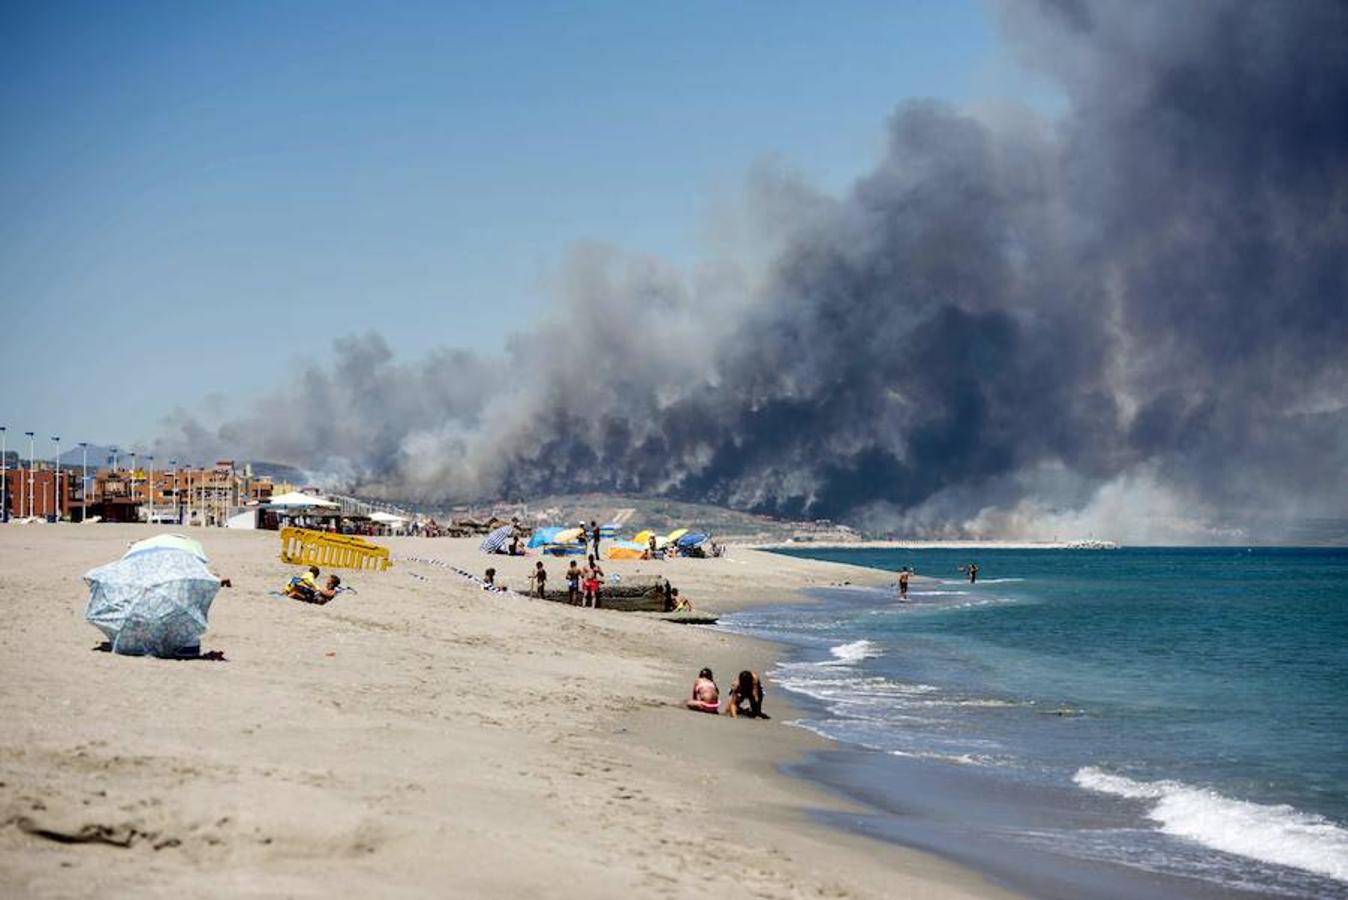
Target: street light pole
149, 488
133, 482
56, 482
4, 478
173, 464
32, 462
84, 484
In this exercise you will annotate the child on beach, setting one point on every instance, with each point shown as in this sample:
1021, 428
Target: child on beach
573, 584
304, 586
706, 698
539, 579
680, 604
748, 689
489, 581
321, 595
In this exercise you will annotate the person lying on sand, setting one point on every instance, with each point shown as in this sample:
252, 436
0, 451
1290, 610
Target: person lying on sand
309, 593
304, 586
706, 698
748, 689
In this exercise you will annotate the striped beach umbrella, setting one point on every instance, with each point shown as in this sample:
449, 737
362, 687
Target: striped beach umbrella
496, 540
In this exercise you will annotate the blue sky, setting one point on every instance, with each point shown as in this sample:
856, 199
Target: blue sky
186, 186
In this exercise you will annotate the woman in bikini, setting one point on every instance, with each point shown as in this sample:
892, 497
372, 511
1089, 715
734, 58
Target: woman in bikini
706, 698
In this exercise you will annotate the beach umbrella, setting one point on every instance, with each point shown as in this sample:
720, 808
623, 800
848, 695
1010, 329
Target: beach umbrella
153, 602
542, 536
691, 540
496, 540
674, 535
642, 537
296, 500
168, 542
569, 536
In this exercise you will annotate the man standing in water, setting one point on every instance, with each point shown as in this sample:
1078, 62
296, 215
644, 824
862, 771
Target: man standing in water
903, 583
973, 572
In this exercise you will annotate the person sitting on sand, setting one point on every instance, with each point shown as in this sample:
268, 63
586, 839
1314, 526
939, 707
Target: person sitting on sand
539, 579
324, 594
489, 580
303, 587
748, 689
681, 604
706, 698
573, 584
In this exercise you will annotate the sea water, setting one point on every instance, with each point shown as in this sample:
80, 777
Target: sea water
1160, 722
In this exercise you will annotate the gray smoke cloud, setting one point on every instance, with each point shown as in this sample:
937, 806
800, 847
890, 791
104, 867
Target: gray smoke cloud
1131, 319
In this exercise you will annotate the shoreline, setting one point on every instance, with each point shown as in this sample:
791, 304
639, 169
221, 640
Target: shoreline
344, 749
936, 545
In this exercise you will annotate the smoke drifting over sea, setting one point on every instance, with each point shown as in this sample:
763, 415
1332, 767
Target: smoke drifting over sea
1132, 319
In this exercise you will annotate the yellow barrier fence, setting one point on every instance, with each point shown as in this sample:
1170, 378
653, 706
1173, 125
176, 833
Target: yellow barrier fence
302, 547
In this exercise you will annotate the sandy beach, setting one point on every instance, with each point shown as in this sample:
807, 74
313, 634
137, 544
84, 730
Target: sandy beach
420, 737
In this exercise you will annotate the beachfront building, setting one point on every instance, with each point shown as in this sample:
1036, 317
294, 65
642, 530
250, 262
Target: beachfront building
188, 496
41, 493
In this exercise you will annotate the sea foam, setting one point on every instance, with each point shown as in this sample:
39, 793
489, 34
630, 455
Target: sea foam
1274, 834
855, 652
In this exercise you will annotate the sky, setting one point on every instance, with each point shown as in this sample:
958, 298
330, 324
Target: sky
196, 198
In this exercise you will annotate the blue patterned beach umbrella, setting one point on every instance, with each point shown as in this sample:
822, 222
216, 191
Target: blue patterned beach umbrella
152, 603
496, 540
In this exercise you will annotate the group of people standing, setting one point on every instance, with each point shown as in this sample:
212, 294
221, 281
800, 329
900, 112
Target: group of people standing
582, 584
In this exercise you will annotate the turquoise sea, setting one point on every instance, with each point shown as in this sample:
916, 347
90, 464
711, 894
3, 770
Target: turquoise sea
1159, 722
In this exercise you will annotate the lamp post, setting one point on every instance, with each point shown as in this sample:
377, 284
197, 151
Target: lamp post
32, 461
84, 483
149, 488
173, 465
133, 480
4, 479
56, 482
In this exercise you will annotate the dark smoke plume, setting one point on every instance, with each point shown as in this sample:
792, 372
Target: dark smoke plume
1131, 319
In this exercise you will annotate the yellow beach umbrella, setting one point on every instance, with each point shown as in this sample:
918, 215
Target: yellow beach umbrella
642, 537
570, 536
676, 534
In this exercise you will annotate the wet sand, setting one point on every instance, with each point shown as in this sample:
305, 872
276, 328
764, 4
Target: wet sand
420, 737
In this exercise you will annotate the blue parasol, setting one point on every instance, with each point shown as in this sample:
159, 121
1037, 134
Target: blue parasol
543, 536
152, 603
691, 540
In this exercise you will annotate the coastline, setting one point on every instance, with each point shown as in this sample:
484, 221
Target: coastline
419, 737
937, 545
